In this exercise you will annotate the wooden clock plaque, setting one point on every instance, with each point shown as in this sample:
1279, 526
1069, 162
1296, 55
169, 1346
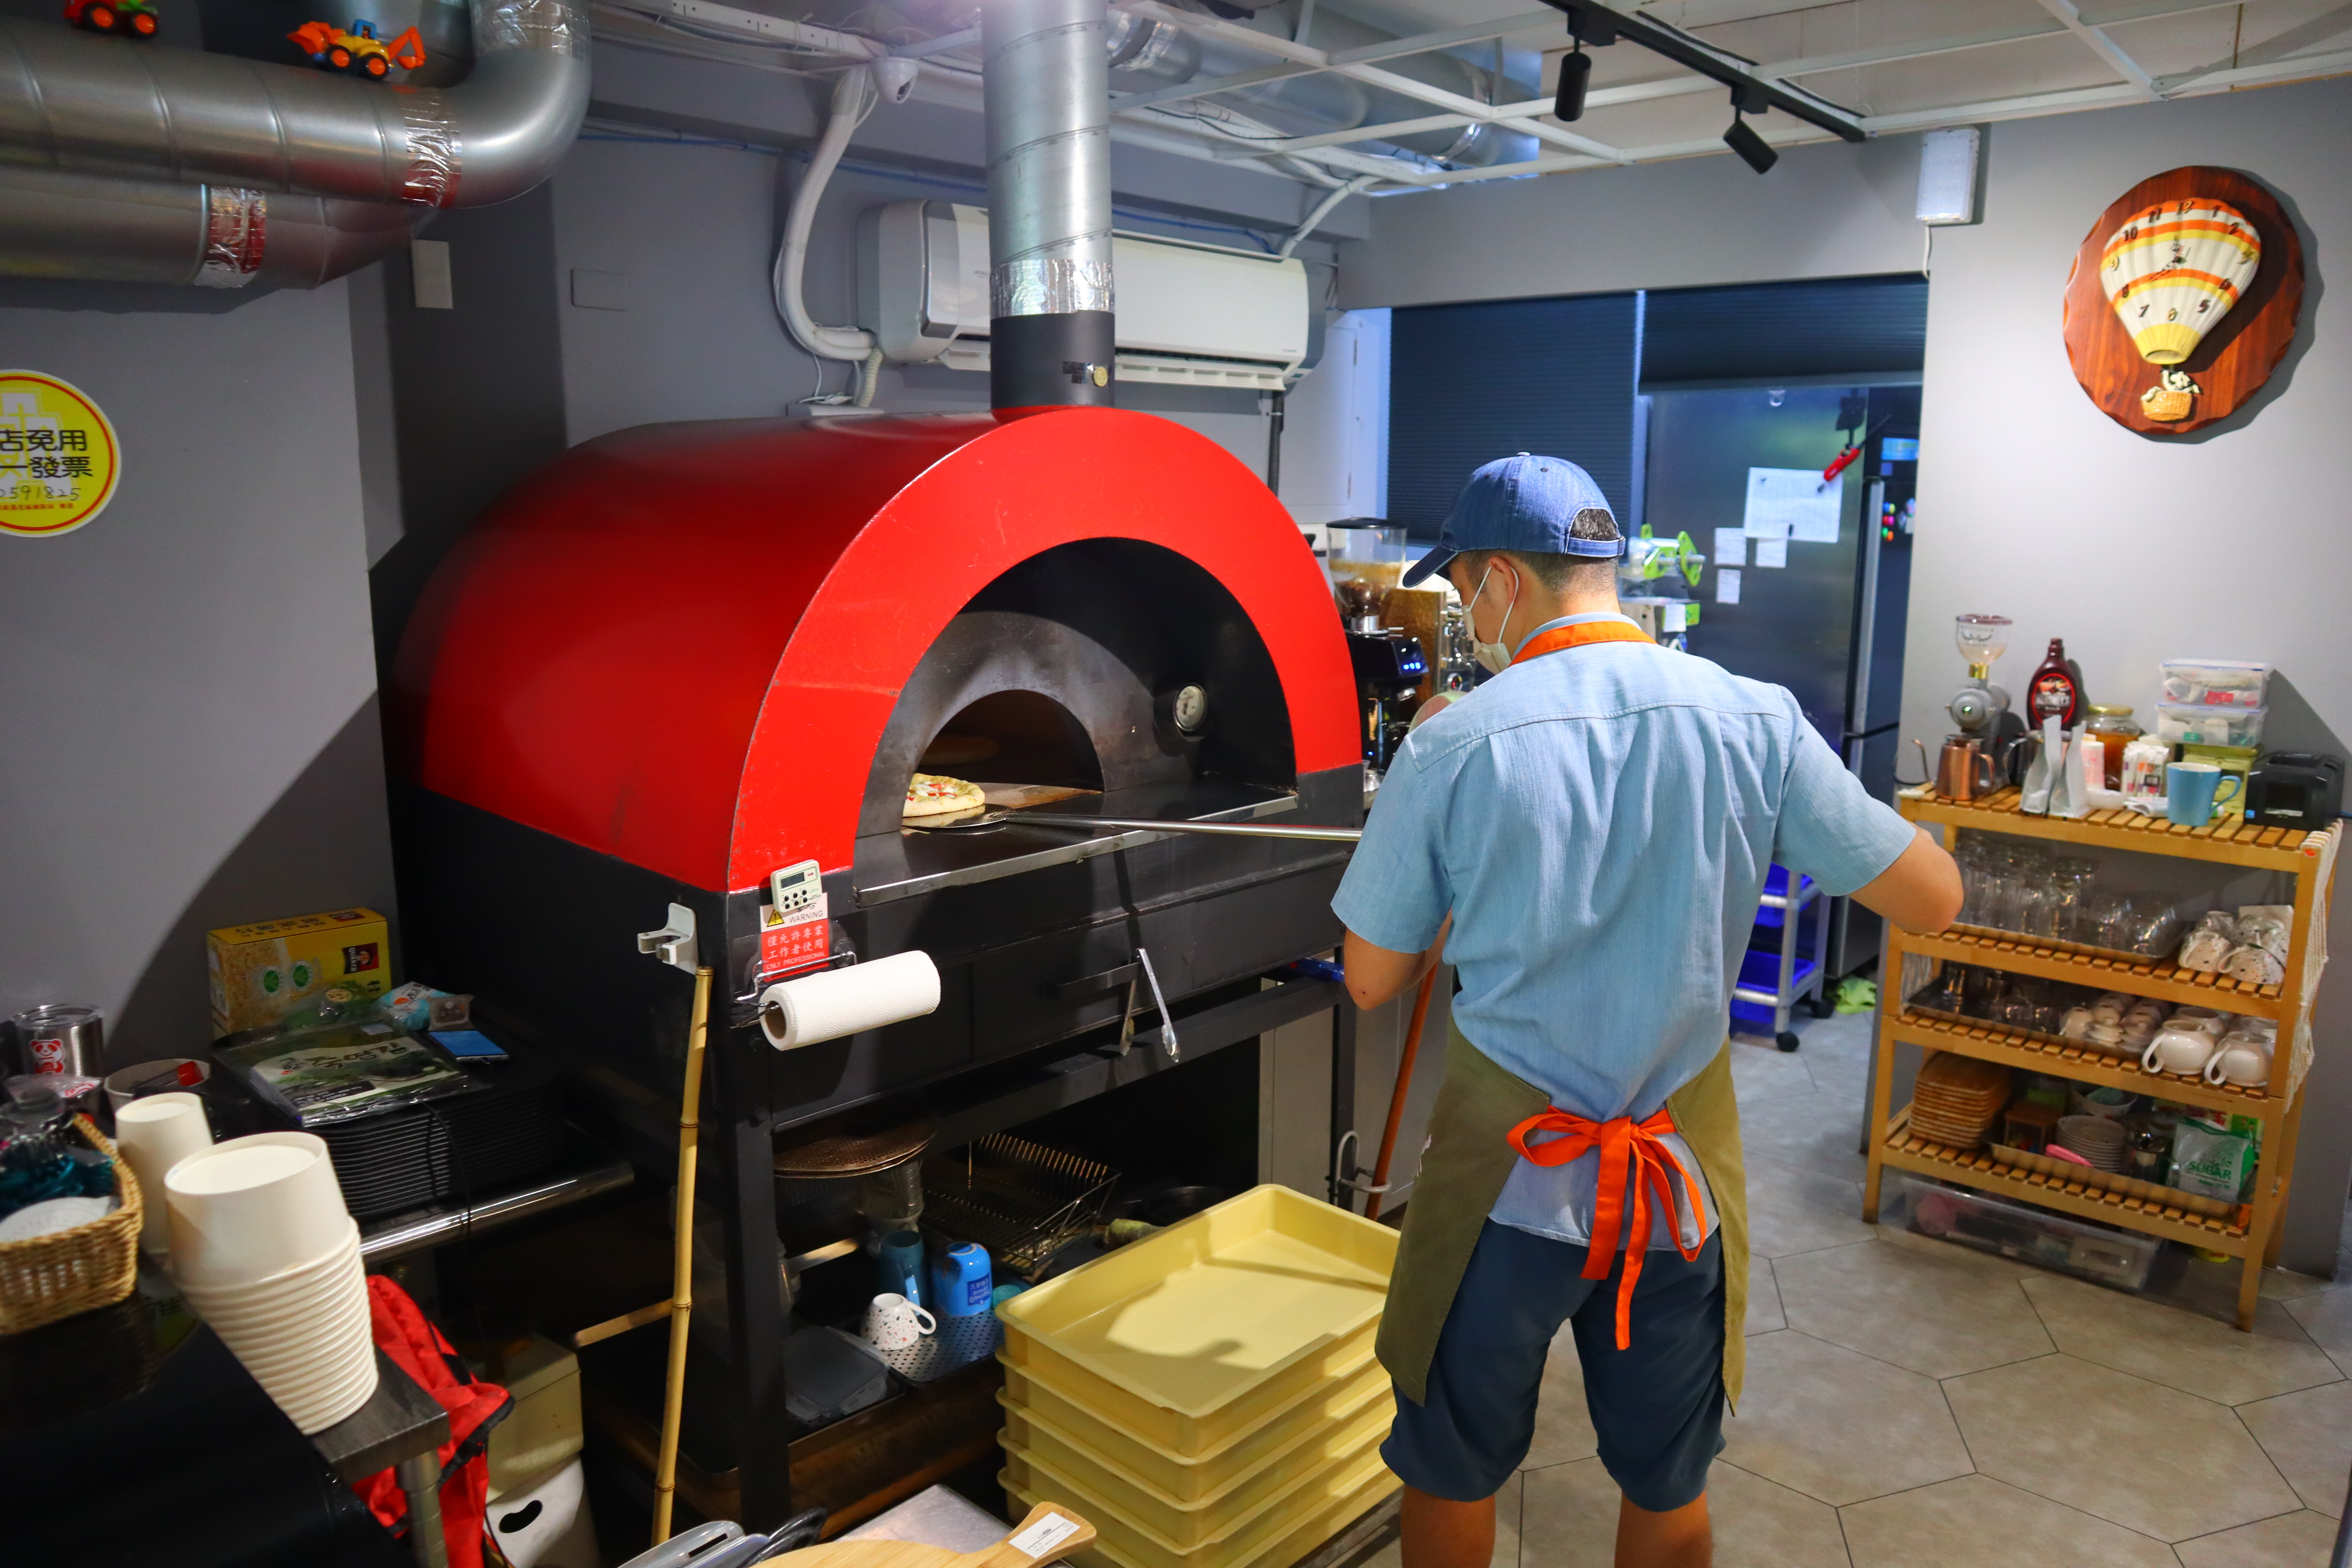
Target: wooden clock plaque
2235, 356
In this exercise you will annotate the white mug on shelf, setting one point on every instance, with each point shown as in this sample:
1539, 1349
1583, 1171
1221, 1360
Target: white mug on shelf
2179, 1050
893, 1322
2241, 1061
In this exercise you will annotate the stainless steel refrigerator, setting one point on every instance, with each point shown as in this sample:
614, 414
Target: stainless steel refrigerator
1828, 623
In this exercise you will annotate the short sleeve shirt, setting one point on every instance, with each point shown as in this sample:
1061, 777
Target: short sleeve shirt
1599, 821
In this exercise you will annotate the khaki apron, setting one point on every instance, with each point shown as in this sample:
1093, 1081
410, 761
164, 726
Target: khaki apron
1462, 1176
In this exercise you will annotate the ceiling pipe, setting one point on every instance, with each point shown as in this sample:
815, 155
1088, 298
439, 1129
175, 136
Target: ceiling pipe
144, 231
158, 164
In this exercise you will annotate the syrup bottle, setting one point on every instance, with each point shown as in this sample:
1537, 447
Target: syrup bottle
2056, 691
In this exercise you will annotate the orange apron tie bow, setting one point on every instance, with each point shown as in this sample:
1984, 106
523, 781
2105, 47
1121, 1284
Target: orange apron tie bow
1629, 1149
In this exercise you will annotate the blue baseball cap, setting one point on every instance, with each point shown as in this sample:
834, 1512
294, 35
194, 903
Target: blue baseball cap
1524, 503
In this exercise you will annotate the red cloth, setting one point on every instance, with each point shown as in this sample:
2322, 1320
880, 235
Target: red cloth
403, 1333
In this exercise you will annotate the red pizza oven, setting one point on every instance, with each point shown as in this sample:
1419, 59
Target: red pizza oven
683, 658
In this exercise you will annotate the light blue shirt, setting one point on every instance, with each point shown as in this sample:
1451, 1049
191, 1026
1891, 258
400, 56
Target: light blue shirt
1599, 821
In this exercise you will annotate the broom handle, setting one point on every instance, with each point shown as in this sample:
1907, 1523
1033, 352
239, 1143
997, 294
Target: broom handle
1396, 1096
681, 1305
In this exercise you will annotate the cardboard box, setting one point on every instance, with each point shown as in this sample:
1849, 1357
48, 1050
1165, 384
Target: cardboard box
259, 972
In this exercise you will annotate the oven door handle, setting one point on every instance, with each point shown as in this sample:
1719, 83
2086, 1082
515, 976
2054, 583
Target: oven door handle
1108, 980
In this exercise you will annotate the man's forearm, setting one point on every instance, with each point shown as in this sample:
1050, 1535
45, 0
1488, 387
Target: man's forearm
1376, 976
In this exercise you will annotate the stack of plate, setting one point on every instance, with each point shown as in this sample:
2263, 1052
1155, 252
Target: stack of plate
1957, 1099
509, 1126
1208, 1396
2098, 1138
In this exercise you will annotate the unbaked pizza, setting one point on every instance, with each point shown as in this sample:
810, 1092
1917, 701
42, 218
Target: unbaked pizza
935, 795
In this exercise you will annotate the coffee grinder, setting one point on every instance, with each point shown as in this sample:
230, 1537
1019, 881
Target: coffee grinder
1979, 710
1367, 557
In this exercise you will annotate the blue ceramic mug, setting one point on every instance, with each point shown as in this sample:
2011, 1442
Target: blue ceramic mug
900, 1256
2193, 789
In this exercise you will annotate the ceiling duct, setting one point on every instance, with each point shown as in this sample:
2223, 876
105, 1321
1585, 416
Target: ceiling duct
161, 164
1050, 329
1147, 55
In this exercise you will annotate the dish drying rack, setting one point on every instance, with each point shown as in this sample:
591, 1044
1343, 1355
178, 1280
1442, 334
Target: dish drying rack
1018, 1199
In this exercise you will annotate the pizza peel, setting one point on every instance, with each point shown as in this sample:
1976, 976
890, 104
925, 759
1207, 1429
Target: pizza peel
1051, 1530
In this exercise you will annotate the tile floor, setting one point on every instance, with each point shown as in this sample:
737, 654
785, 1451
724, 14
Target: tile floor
1911, 1404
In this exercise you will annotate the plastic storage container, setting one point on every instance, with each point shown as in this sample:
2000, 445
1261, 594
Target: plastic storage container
2214, 682
2210, 726
2029, 1235
1197, 1334
1186, 1478
543, 1430
1276, 1539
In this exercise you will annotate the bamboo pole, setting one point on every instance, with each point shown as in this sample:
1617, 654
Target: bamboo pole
682, 1306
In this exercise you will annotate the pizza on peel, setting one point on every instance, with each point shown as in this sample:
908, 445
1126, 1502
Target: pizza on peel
935, 795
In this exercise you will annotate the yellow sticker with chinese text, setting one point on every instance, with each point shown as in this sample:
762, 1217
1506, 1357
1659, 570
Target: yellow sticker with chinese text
58, 457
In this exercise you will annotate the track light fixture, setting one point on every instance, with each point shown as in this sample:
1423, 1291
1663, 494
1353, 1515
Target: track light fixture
1589, 22
1586, 25
1754, 150
1575, 77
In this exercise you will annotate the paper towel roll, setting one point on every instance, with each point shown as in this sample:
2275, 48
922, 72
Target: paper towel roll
844, 1001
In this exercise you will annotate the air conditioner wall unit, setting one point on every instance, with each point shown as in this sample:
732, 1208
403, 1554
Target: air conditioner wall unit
1194, 315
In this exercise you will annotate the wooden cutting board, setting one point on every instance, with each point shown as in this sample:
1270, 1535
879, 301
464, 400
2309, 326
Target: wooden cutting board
1051, 1530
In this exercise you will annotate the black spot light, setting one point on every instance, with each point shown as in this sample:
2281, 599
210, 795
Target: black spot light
1575, 77
1587, 25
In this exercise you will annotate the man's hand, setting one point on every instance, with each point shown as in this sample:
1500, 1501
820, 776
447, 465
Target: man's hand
1378, 974
1920, 893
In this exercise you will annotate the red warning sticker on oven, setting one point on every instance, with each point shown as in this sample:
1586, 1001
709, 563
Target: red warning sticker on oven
794, 941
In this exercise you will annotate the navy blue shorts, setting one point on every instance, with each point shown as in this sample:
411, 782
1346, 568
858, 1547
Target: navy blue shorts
1657, 1405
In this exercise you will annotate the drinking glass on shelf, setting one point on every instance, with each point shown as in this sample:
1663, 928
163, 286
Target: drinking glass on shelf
1976, 866
2072, 884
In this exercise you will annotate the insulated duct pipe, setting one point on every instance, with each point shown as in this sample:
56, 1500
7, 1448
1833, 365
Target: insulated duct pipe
1052, 338
163, 164
143, 231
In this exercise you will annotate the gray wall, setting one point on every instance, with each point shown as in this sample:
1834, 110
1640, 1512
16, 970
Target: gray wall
1829, 211
188, 733
2229, 543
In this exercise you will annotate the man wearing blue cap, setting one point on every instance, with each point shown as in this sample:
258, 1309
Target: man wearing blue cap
1586, 837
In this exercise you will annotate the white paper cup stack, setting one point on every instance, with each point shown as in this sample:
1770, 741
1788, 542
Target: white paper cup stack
266, 1253
155, 1135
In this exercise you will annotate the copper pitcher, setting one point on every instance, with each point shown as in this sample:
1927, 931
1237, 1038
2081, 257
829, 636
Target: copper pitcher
1964, 771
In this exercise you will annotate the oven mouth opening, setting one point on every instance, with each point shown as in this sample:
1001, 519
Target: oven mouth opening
1017, 738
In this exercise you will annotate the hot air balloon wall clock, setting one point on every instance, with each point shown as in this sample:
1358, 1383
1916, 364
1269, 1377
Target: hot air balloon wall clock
2184, 299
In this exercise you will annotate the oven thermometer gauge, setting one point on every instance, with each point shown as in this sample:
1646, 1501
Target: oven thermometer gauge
1192, 710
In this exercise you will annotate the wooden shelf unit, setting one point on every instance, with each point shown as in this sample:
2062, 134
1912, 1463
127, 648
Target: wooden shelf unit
2309, 858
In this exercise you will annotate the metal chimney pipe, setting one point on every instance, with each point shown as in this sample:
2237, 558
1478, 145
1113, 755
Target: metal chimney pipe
1052, 337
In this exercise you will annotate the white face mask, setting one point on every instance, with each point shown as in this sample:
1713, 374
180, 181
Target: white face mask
1493, 656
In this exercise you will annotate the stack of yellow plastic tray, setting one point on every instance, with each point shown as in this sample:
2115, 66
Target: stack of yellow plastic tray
1207, 1396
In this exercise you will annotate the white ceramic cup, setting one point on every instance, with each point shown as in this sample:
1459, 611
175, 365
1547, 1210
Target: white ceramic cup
118, 1084
252, 1207
2181, 1050
893, 1322
2245, 1064
155, 1134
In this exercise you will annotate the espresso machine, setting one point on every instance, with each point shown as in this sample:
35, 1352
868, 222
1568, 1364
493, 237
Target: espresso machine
1366, 558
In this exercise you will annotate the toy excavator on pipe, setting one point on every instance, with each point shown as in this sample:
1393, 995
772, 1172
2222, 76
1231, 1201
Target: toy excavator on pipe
359, 49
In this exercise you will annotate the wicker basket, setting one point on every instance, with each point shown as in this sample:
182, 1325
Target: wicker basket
53, 1276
